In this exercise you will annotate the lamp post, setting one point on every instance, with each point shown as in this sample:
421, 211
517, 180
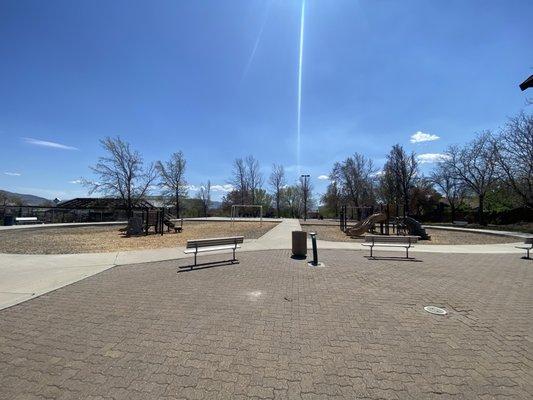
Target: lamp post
305, 179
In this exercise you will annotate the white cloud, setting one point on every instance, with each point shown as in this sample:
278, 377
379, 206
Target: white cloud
428, 158
76, 181
420, 137
53, 145
378, 173
12, 173
222, 188
214, 188
323, 178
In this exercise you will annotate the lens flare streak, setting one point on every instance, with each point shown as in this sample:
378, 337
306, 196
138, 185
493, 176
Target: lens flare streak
300, 64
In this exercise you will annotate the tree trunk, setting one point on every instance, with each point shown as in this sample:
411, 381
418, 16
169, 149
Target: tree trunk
129, 208
452, 208
480, 216
177, 206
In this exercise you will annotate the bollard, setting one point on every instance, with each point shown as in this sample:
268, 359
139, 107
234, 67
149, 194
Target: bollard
315, 262
315, 251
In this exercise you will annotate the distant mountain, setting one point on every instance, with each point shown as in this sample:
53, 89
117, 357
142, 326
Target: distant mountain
27, 199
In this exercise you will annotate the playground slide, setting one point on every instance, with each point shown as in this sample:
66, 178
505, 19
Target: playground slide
415, 228
170, 224
366, 225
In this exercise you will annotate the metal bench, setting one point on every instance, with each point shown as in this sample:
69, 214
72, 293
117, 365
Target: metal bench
214, 244
390, 241
26, 220
527, 246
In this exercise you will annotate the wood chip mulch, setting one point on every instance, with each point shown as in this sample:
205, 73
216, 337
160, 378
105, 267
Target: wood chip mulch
96, 239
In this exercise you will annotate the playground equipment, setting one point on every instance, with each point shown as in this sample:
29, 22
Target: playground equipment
412, 227
366, 225
143, 221
390, 220
170, 224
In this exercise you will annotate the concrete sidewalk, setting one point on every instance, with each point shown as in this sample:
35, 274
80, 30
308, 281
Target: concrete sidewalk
25, 276
518, 235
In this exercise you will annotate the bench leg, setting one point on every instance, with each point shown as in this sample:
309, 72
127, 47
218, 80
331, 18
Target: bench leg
407, 252
234, 259
194, 260
371, 255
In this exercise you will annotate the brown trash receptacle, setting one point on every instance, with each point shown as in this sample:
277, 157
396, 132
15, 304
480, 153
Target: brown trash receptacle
299, 244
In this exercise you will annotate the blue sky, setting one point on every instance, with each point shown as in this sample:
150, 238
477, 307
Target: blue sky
218, 80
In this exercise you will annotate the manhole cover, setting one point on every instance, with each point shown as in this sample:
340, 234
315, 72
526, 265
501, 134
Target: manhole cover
435, 310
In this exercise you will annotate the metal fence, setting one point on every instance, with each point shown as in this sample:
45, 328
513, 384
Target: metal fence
54, 215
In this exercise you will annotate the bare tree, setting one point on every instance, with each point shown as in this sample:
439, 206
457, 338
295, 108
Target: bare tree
453, 188
332, 198
172, 179
253, 176
293, 200
305, 187
387, 188
476, 165
404, 168
204, 194
277, 181
355, 176
515, 156
121, 173
239, 179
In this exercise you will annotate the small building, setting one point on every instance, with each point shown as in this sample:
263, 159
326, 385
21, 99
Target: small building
100, 203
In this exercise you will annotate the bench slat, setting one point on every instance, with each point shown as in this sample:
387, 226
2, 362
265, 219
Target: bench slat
391, 239
386, 245
213, 248
214, 242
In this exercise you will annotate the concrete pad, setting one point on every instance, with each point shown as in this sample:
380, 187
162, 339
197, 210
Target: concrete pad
141, 256
518, 235
23, 277
10, 299
499, 248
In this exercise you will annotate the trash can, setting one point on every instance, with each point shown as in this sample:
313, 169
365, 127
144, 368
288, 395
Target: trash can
8, 220
299, 244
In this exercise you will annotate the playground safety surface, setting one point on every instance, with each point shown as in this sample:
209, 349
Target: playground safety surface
94, 239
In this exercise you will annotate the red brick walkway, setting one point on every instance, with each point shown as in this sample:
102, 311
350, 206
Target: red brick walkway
271, 327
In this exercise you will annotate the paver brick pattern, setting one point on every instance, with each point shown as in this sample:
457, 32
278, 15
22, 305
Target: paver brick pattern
273, 328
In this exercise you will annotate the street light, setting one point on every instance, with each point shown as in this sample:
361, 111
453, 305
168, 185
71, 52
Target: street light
305, 178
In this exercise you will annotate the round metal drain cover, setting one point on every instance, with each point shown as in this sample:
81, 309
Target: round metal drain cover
435, 310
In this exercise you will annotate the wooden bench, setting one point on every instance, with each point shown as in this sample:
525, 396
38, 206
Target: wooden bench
214, 244
527, 246
390, 241
26, 220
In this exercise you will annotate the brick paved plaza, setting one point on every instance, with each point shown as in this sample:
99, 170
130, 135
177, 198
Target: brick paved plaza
271, 327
